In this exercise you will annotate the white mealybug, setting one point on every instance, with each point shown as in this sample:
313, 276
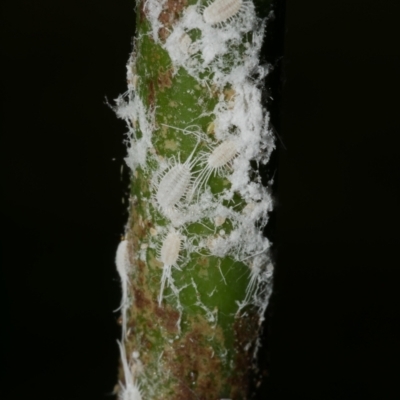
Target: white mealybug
130, 391
174, 185
169, 256
123, 265
216, 161
221, 11
223, 154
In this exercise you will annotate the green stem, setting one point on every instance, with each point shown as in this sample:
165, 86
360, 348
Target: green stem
192, 326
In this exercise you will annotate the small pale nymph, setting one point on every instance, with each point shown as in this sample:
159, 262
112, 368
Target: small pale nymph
169, 256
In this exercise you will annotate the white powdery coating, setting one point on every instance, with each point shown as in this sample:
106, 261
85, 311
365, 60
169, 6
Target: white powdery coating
243, 243
130, 393
221, 10
205, 207
219, 46
153, 9
248, 118
214, 41
135, 110
241, 124
170, 249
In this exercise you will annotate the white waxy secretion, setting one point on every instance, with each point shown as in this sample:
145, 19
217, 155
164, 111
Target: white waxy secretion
130, 391
169, 256
221, 11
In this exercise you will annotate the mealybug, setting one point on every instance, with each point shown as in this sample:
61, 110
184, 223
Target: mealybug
123, 265
174, 185
169, 256
223, 154
221, 11
216, 161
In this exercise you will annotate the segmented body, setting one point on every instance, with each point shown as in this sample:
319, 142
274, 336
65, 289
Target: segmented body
170, 249
223, 154
215, 162
122, 263
173, 186
221, 11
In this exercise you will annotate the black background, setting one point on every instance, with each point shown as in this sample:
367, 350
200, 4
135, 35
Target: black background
333, 329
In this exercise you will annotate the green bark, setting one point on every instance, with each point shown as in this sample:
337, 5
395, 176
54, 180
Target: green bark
200, 341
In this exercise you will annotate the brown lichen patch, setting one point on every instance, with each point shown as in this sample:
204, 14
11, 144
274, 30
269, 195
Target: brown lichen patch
151, 96
140, 266
246, 331
142, 12
141, 300
130, 327
167, 318
139, 232
197, 370
170, 13
164, 79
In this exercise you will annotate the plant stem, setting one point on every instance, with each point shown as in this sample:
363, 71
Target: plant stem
197, 262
